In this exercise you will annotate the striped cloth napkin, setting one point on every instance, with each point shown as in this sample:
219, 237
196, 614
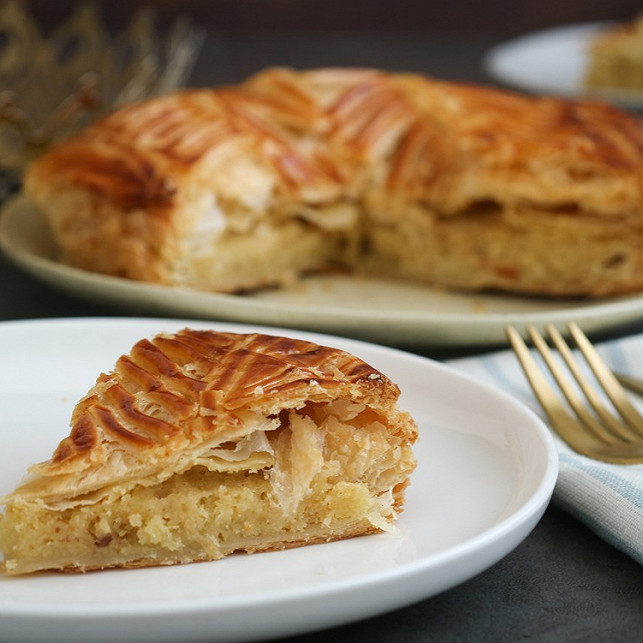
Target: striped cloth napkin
608, 498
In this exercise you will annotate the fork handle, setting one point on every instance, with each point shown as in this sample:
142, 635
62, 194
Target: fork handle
631, 383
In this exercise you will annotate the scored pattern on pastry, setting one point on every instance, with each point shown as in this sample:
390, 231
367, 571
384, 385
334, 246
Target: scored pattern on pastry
175, 377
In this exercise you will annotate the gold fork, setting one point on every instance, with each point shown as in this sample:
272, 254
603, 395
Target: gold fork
592, 428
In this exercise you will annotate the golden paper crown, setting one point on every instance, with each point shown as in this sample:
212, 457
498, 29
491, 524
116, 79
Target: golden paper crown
52, 87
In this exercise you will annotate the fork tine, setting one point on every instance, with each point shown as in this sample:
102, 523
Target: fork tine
581, 429
577, 404
611, 423
607, 380
564, 424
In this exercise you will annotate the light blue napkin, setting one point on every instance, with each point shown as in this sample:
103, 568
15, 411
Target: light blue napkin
608, 498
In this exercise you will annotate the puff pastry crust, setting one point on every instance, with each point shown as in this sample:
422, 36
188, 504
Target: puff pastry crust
391, 174
200, 444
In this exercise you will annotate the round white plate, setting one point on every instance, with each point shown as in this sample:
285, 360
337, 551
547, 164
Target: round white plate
377, 310
554, 61
486, 471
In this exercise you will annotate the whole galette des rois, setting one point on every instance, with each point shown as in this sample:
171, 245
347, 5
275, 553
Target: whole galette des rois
397, 175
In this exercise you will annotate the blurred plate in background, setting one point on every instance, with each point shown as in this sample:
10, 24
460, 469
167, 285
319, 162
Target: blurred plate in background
553, 61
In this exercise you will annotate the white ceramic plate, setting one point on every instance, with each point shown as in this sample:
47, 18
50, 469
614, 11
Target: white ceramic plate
375, 310
487, 467
553, 61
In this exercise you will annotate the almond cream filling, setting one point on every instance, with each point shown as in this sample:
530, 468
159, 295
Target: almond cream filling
328, 471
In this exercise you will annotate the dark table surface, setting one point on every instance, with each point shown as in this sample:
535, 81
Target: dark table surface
562, 583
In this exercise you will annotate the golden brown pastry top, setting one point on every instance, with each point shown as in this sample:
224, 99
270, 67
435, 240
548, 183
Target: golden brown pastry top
140, 156
175, 397
351, 133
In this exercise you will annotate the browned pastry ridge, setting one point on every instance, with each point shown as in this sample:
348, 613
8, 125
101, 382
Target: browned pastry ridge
200, 444
398, 175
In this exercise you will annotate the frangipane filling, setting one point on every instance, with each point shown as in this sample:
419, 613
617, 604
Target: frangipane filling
326, 471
